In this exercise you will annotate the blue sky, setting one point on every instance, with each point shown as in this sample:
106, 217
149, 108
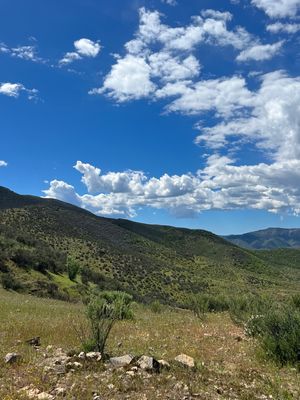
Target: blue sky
169, 112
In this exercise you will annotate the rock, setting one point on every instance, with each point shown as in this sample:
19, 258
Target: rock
163, 364
81, 355
93, 355
44, 396
185, 360
30, 391
35, 341
148, 363
73, 365
59, 391
123, 361
130, 373
11, 358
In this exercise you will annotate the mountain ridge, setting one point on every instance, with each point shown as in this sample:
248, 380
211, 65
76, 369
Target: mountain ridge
269, 238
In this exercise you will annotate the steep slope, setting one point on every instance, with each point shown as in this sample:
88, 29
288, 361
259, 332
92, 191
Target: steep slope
149, 261
271, 238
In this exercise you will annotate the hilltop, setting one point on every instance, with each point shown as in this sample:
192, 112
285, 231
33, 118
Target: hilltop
271, 238
149, 261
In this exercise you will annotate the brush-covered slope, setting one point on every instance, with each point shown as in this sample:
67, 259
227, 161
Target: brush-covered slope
271, 238
166, 263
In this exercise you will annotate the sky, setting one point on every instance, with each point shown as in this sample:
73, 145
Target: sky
175, 112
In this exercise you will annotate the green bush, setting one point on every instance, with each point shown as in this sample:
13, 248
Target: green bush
243, 307
9, 282
103, 310
72, 268
203, 303
279, 332
156, 307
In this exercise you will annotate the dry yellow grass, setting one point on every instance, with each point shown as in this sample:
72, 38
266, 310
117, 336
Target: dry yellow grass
227, 367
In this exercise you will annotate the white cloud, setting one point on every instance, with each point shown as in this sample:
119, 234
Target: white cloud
160, 59
83, 48
128, 79
28, 53
279, 27
170, 2
260, 52
68, 58
87, 48
3, 163
278, 8
270, 119
220, 185
15, 89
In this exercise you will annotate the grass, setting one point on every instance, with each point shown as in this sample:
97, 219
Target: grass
226, 367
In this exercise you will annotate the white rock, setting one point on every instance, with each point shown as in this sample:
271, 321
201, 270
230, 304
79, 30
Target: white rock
185, 360
45, 396
93, 355
123, 361
11, 358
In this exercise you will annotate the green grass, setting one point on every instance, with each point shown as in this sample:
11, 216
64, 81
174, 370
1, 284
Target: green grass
226, 368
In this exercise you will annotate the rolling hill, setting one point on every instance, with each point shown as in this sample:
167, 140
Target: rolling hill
149, 261
271, 238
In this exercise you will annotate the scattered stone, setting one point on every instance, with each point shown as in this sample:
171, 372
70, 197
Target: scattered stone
163, 364
59, 391
148, 363
130, 373
81, 355
73, 365
44, 396
119, 362
94, 355
11, 358
35, 341
185, 360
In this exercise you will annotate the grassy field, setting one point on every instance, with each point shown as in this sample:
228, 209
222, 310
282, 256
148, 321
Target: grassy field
229, 365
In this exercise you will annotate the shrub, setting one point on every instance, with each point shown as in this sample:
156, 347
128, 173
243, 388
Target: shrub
244, 307
156, 307
72, 268
9, 282
279, 332
203, 303
103, 310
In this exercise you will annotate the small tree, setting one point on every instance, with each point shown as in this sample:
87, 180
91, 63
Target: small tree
72, 268
102, 315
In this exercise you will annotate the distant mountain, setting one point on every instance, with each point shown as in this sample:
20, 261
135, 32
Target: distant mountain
149, 261
271, 238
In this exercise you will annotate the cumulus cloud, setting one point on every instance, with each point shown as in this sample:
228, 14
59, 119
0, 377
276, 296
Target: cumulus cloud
3, 163
279, 27
83, 48
270, 118
161, 59
260, 52
278, 8
219, 185
15, 89
87, 48
129, 79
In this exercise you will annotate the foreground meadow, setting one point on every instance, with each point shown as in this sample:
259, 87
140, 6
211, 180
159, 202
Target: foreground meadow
228, 365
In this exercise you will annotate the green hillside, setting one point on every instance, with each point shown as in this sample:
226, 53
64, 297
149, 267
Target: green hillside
151, 262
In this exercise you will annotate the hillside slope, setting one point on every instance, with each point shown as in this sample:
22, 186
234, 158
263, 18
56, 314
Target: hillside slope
151, 262
271, 238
